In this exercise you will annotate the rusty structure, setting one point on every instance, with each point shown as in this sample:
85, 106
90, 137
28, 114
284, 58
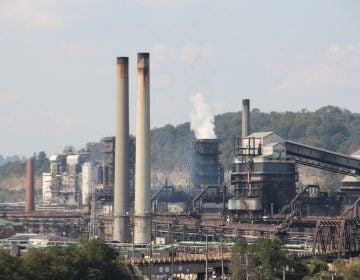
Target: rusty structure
30, 186
108, 166
337, 236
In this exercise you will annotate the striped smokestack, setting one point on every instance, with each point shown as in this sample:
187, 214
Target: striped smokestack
30, 186
142, 219
121, 185
245, 126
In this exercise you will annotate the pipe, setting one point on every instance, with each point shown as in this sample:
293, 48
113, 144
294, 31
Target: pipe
142, 219
121, 230
245, 126
30, 186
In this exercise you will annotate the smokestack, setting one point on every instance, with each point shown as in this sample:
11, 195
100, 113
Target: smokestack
142, 219
29, 193
245, 118
121, 185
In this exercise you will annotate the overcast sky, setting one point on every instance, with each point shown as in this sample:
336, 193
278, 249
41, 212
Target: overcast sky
57, 62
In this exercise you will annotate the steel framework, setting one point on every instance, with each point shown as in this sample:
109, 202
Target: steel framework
339, 236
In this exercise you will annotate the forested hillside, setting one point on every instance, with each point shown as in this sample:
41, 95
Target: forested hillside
329, 127
12, 177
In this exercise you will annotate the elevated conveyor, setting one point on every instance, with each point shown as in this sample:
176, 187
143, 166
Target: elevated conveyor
323, 159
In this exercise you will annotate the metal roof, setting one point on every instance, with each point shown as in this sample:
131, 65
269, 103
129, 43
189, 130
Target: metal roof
260, 134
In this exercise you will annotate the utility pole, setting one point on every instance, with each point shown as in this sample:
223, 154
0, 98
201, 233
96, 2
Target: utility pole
222, 259
150, 249
283, 270
133, 240
246, 266
206, 258
172, 248
150, 261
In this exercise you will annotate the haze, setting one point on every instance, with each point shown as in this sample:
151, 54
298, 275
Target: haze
57, 62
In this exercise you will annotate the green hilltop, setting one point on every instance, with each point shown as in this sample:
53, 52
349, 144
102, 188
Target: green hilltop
329, 127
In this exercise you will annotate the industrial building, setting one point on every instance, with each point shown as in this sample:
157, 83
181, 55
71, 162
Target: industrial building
205, 166
112, 198
264, 177
63, 184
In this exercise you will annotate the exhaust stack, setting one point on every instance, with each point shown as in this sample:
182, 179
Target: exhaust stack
245, 126
142, 218
30, 186
121, 186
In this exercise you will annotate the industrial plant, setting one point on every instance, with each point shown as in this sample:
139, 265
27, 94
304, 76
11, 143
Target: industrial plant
112, 199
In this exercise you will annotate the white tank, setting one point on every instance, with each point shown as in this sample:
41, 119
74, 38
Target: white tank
89, 178
46, 187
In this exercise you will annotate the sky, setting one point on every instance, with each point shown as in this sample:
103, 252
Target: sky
58, 58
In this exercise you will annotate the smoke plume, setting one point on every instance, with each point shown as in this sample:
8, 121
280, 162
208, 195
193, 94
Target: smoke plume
201, 118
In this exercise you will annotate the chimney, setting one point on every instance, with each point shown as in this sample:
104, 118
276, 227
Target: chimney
29, 192
121, 185
142, 219
245, 118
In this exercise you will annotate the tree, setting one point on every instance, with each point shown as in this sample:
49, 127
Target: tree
317, 267
96, 260
264, 259
41, 163
239, 260
89, 260
10, 267
353, 272
51, 263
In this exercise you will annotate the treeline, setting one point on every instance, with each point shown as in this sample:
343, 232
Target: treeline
89, 260
17, 168
329, 127
6, 159
266, 259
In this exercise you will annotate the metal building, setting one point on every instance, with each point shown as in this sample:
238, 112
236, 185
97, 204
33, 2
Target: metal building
205, 167
351, 184
105, 194
263, 176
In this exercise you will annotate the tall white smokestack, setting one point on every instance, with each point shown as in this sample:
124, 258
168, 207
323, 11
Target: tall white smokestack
245, 126
121, 186
142, 219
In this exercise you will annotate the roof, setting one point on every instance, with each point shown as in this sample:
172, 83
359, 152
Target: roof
274, 144
351, 179
4, 222
356, 154
260, 134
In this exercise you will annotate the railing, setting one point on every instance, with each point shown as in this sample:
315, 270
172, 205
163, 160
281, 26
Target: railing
182, 258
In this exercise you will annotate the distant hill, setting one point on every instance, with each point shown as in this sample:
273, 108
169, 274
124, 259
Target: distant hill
329, 127
12, 178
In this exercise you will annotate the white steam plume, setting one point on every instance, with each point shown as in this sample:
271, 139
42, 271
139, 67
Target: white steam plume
202, 119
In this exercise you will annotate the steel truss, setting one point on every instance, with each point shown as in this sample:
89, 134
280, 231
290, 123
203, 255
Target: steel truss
339, 236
